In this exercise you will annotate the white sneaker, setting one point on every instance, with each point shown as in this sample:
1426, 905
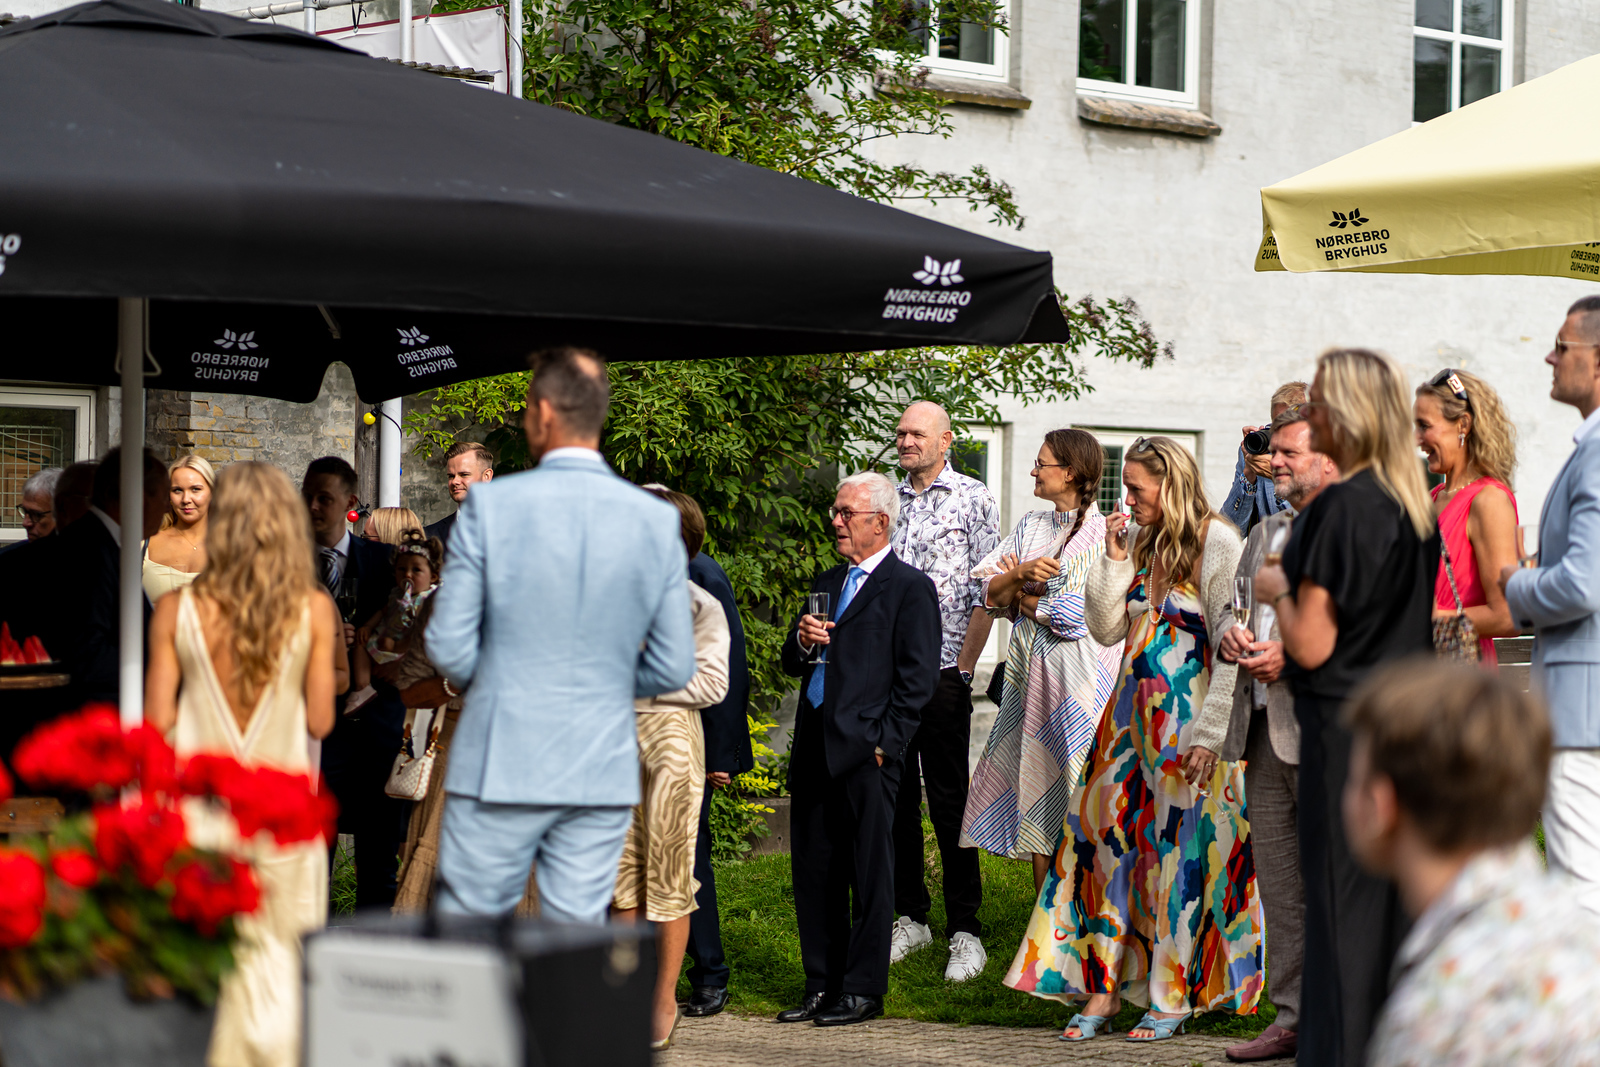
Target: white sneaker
967, 958
906, 936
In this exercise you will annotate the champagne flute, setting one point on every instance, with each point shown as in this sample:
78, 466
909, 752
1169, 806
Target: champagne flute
1528, 544
1277, 538
817, 605
1244, 598
346, 603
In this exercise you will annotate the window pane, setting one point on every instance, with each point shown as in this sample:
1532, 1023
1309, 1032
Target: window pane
30, 440
1160, 44
971, 458
1102, 39
912, 17
965, 41
1432, 68
1434, 14
1480, 73
1481, 18
1109, 498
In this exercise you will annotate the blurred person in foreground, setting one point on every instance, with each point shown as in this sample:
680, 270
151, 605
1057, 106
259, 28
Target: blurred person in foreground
564, 598
1355, 588
1560, 599
466, 464
656, 880
1447, 773
1464, 431
864, 677
242, 664
1251, 497
1152, 894
948, 523
177, 552
1265, 734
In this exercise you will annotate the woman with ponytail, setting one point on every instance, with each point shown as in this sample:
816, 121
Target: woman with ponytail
1356, 588
1057, 676
1152, 895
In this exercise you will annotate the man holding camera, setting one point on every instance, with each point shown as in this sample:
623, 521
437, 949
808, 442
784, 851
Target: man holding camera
1252, 498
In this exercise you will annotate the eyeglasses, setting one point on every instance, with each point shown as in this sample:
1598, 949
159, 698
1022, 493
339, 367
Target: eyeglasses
1448, 377
1042, 466
1562, 346
850, 515
28, 513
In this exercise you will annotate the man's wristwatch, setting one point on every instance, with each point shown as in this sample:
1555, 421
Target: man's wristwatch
966, 676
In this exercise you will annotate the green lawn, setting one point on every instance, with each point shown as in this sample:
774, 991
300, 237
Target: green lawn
756, 902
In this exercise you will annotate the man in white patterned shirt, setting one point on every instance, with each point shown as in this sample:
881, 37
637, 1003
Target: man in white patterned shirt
948, 523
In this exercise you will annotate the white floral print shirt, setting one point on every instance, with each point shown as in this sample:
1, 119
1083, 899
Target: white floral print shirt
944, 532
1501, 970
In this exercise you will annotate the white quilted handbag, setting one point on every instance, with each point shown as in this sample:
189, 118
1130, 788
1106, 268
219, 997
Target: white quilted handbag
408, 778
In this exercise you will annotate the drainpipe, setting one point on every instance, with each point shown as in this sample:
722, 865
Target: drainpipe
389, 455
514, 53
408, 51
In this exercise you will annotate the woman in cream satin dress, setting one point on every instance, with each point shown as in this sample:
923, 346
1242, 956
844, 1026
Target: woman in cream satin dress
177, 553
242, 663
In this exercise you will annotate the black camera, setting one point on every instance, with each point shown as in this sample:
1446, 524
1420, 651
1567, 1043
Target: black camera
1258, 442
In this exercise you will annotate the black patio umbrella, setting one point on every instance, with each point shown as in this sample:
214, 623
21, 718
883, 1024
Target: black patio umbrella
284, 202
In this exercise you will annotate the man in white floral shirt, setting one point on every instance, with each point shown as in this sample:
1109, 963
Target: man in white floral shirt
1447, 776
948, 523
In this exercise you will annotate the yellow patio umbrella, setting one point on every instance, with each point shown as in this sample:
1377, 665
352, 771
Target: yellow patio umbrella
1507, 185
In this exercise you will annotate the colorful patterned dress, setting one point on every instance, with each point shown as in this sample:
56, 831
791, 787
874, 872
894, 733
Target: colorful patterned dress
1153, 888
1058, 679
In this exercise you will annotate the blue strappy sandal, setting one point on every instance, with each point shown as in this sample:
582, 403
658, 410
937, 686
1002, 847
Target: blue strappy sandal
1164, 1028
1088, 1026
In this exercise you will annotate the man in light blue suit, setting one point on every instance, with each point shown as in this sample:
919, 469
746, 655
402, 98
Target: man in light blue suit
1560, 598
563, 598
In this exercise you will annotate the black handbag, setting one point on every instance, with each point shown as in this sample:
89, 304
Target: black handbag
997, 684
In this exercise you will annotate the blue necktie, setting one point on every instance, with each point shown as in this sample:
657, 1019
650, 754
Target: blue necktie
852, 582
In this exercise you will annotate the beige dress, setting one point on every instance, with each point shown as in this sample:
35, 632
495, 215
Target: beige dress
160, 579
259, 1010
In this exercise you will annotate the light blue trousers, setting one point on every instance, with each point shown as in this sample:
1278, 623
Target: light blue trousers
486, 851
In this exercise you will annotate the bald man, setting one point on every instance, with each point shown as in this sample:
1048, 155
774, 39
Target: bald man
948, 523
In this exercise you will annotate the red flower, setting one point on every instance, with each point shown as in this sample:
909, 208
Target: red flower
144, 837
207, 775
75, 867
22, 897
79, 752
6, 786
154, 761
263, 798
207, 893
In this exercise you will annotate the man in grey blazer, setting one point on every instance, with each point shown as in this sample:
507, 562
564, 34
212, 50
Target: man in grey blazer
1264, 732
563, 598
1560, 599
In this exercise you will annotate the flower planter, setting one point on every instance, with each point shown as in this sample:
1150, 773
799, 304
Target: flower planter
94, 1022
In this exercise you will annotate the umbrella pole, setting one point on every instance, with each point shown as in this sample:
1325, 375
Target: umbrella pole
389, 455
131, 315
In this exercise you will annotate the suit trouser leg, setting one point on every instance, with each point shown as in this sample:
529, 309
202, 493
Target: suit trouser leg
705, 927
862, 819
941, 747
1571, 834
820, 877
1269, 788
487, 850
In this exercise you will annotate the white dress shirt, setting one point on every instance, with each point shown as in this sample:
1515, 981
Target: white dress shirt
1586, 427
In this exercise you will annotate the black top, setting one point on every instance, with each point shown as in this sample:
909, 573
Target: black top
726, 728
1357, 542
442, 528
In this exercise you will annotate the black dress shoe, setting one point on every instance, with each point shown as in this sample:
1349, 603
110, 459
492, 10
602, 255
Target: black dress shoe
706, 1000
809, 1009
851, 1008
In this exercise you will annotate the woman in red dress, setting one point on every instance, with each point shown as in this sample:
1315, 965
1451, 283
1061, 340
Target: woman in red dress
1463, 429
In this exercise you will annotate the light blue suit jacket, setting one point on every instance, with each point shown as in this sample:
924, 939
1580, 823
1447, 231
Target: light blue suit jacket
1561, 599
563, 598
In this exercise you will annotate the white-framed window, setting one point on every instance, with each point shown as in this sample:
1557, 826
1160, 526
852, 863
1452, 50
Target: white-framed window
963, 49
1116, 442
39, 428
1140, 50
1460, 53
980, 453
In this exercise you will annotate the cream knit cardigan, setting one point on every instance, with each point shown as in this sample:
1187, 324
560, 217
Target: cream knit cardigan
1106, 612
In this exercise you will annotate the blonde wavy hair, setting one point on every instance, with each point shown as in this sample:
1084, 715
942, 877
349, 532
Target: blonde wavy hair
201, 466
1370, 415
1181, 537
259, 567
389, 523
1491, 435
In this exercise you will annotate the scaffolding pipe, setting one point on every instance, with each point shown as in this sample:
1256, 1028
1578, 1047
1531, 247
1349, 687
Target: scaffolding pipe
289, 7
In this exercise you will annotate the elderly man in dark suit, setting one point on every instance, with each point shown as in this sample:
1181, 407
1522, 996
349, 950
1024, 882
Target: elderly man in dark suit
857, 715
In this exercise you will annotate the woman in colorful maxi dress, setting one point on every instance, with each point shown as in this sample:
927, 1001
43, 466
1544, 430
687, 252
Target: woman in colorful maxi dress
1058, 677
1152, 895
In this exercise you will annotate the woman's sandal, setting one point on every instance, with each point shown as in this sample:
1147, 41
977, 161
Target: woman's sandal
1164, 1028
1088, 1026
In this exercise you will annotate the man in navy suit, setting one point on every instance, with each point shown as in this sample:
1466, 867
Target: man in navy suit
856, 717
357, 756
465, 465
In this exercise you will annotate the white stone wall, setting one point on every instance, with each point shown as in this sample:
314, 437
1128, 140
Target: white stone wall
1174, 222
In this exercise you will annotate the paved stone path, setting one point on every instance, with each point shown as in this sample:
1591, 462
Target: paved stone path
730, 1040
